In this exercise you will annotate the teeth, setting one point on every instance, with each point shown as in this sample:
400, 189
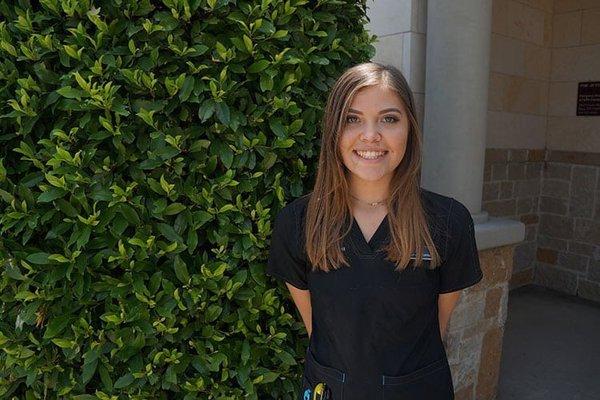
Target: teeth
371, 155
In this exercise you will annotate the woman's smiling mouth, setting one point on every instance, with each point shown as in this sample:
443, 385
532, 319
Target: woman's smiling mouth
370, 155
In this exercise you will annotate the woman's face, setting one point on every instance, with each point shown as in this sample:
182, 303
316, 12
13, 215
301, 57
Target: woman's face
373, 140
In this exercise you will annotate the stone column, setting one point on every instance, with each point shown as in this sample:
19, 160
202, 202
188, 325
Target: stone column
456, 91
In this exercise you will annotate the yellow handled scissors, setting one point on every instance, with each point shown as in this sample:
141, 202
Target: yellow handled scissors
321, 392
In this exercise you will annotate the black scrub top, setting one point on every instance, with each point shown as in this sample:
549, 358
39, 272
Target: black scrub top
375, 331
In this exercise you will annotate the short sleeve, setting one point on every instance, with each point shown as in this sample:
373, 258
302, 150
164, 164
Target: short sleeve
461, 268
285, 261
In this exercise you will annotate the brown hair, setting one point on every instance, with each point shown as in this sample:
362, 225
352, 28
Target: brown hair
328, 217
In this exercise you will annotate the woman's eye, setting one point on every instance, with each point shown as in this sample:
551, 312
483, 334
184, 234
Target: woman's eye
390, 119
351, 119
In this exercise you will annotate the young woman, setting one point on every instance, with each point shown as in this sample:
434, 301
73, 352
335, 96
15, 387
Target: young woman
374, 262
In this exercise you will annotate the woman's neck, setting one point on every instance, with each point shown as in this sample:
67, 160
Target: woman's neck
369, 191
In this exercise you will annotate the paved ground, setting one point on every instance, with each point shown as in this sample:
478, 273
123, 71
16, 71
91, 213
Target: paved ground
551, 347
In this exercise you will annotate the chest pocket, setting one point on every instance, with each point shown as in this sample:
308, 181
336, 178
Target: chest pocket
315, 372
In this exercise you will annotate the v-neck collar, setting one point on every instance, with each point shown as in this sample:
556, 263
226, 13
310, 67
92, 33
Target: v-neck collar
372, 245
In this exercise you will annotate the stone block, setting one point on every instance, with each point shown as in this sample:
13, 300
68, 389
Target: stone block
569, 63
587, 231
574, 262
556, 226
501, 208
492, 302
489, 366
530, 233
566, 30
496, 265
524, 255
553, 170
589, 290
499, 172
506, 190
594, 271
583, 249
553, 205
468, 310
493, 156
548, 256
487, 173
552, 243
556, 278
533, 170
537, 62
527, 188
517, 155
529, 219
590, 28
525, 205
583, 178
562, 97
555, 188
536, 155
483, 325
465, 392
516, 171
581, 204
521, 278
491, 191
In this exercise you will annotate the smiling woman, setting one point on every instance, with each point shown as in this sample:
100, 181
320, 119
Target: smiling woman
374, 262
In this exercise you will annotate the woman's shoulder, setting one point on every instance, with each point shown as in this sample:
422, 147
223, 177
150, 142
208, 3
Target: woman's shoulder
445, 207
295, 210
436, 203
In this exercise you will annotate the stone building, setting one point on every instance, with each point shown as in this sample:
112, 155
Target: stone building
506, 91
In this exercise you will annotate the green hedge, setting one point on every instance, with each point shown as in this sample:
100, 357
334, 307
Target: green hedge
145, 147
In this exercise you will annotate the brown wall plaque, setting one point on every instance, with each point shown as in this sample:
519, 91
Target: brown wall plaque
588, 99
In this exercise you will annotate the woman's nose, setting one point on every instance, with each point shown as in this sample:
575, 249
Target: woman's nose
370, 132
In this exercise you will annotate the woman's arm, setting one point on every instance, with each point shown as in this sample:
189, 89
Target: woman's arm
302, 300
446, 304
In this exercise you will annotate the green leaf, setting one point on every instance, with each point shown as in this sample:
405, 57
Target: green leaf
206, 110
52, 193
277, 127
56, 326
38, 258
174, 208
63, 343
223, 113
89, 369
186, 89
258, 66
168, 232
70, 93
248, 44
181, 270
266, 82
124, 381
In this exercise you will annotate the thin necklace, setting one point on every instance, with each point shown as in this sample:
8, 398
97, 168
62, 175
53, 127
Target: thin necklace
371, 203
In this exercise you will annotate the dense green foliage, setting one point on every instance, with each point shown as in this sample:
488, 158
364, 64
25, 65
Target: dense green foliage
145, 147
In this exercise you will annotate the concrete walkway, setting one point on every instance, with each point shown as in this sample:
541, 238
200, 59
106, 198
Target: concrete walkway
551, 348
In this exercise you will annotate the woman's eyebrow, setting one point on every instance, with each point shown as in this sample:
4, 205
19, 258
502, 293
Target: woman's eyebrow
351, 110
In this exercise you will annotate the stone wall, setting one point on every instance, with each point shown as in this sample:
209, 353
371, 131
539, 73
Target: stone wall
475, 331
575, 58
556, 194
511, 189
568, 254
520, 58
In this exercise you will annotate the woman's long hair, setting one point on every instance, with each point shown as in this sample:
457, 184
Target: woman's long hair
328, 217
